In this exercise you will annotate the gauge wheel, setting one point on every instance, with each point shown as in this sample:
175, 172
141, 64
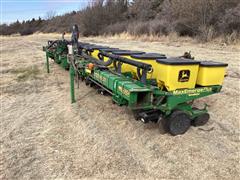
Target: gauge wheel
201, 120
178, 123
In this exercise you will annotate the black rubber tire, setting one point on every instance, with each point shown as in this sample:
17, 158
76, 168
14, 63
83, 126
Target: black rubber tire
201, 120
178, 123
136, 115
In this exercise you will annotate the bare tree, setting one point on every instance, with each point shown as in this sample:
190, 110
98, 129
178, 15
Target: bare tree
50, 15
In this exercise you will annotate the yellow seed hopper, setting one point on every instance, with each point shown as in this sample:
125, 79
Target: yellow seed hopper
127, 54
148, 58
177, 73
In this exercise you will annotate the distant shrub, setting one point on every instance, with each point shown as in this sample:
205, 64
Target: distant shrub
138, 28
26, 31
230, 22
204, 19
158, 27
95, 18
197, 17
206, 34
116, 28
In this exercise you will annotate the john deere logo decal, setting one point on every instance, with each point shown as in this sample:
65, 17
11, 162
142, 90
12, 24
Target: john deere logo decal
183, 76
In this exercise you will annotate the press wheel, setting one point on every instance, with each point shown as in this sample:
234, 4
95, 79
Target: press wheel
201, 120
178, 123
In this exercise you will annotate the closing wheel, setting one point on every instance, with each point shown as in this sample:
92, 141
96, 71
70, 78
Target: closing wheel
178, 123
201, 120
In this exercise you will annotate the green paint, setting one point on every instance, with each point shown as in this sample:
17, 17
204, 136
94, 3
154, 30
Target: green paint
47, 63
72, 73
127, 91
56, 52
64, 63
181, 96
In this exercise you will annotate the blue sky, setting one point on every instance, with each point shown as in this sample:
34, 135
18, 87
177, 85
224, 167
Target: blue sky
11, 10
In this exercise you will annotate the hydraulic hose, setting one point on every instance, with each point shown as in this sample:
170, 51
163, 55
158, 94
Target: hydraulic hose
51, 43
103, 63
140, 65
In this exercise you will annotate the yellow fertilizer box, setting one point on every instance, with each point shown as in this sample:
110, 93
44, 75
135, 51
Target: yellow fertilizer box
211, 73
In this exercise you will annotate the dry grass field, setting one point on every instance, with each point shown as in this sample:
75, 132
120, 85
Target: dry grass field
44, 136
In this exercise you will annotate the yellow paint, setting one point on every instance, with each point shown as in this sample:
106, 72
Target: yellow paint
152, 74
88, 71
124, 91
192, 91
127, 67
95, 55
208, 76
169, 76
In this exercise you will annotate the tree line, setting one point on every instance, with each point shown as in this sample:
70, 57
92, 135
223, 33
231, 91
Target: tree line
205, 19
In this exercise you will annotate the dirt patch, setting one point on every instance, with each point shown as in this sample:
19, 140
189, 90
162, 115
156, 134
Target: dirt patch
43, 136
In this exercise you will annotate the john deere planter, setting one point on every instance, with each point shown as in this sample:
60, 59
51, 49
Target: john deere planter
156, 88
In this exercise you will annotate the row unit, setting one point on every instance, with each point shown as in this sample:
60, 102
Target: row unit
170, 73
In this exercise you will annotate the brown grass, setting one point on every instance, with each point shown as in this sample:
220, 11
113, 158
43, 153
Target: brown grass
44, 136
24, 74
230, 40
